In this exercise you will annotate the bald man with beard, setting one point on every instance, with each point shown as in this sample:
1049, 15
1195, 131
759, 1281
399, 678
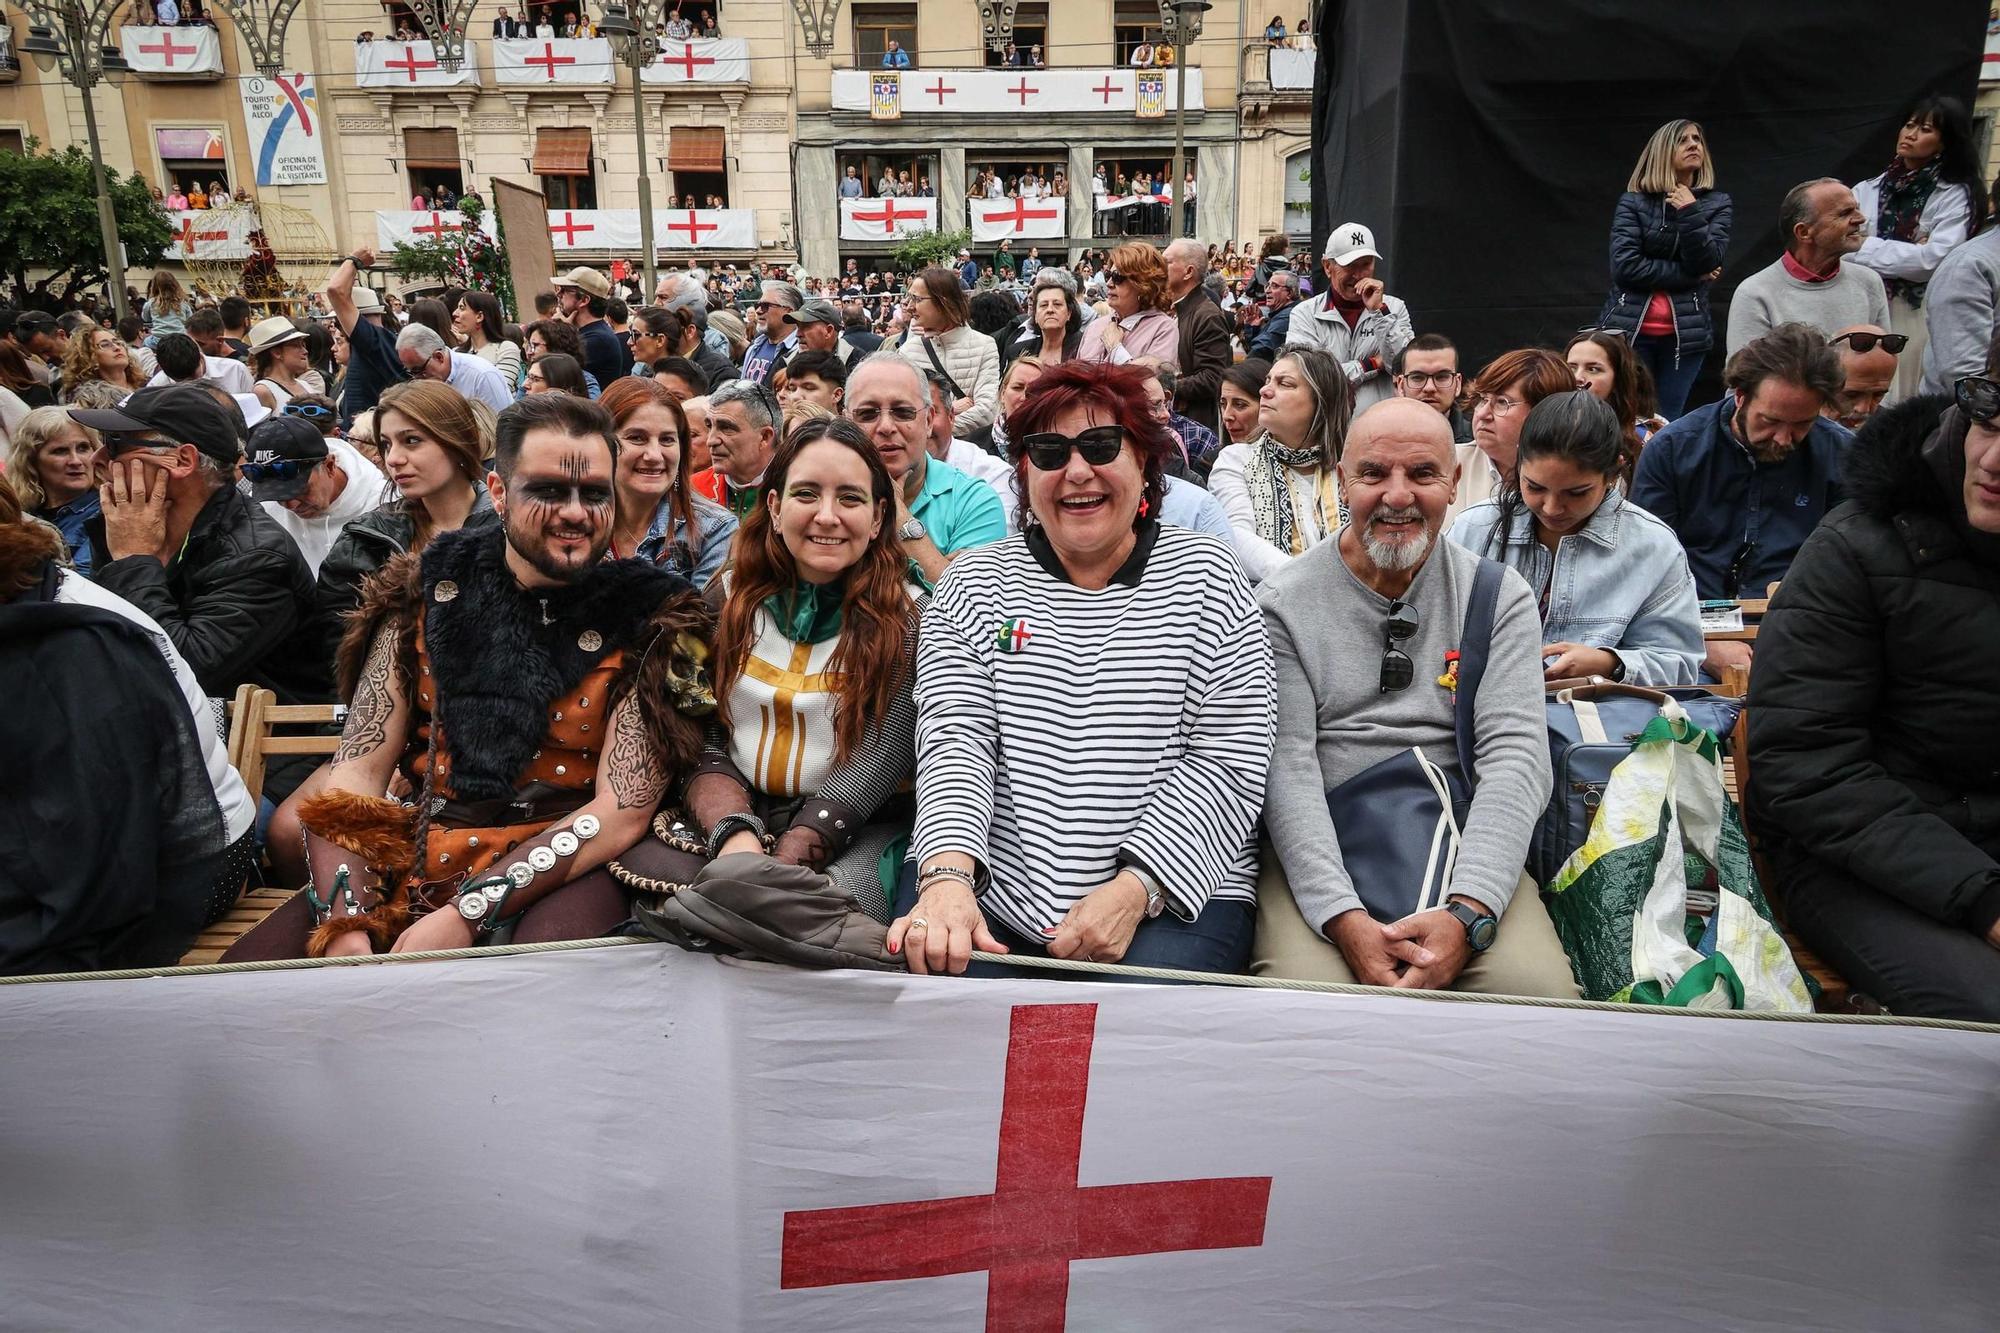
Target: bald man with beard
1870, 374
1366, 630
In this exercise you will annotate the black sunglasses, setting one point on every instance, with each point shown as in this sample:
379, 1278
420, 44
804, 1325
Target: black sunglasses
1113, 275
1397, 668
1732, 578
1862, 341
1099, 446
1978, 397
284, 469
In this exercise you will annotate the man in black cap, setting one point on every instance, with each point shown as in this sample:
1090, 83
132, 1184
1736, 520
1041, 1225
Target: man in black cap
311, 486
819, 324
180, 542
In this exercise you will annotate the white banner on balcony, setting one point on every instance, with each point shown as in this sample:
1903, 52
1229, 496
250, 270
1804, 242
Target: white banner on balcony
1111, 203
409, 65
629, 1137
886, 219
1292, 71
211, 233
673, 229
544, 60
409, 228
287, 138
1105, 90
1002, 219
704, 60
191, 50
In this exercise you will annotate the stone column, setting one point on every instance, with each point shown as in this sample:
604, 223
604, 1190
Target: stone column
816, 207
1081, 219
951, 187
1214, 195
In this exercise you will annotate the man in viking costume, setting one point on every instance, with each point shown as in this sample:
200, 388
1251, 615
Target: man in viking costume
538, 700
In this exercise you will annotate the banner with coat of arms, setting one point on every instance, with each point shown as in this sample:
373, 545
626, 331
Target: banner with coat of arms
1152, 95
885, 96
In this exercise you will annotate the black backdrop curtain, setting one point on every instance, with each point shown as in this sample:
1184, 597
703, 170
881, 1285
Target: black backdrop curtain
1486, 141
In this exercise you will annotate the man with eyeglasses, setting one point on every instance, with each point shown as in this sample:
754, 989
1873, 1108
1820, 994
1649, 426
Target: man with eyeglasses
1427, 370
776, 339
310, 484
1744, 481
1868, 366
1390, 579
179, 541
1354, 320
940, 511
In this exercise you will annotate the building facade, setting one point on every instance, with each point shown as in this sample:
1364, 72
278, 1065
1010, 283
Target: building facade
748, 131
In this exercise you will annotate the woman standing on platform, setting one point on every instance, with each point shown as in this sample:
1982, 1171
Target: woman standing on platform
1668, 237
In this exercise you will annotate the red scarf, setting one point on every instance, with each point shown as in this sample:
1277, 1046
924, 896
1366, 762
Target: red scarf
1351, 311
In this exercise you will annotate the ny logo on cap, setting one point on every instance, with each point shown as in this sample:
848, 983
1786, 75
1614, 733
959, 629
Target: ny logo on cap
1357, 237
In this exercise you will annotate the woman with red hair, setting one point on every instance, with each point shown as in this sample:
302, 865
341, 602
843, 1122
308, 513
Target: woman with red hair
1510, 386
1094, 713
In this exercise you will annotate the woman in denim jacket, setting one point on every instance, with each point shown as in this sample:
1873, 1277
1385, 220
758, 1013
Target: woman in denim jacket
1616, 597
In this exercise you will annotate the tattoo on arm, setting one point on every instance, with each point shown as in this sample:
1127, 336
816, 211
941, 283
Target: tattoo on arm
633, 768
374, 704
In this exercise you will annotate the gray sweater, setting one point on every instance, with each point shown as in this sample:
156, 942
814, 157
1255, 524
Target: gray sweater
1327, 633
1770, 297
1960, 309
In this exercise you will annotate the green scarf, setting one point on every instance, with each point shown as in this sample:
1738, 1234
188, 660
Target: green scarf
810, 612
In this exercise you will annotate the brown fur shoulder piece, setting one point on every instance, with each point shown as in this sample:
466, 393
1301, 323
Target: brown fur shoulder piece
24, 547
669, 669
393, 591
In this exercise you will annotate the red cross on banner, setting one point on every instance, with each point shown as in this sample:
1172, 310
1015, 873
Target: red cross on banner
694, 227
687, 59
569, 227
1038, 1220
438, 226
1107, 89
166, 50
548, 60
187, 235
409, 63
938, 90
1017, 213
1023, 91
889, 217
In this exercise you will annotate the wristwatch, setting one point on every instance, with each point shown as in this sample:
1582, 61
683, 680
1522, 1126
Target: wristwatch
1617, 672
1480, 927
1156, 893
912, 530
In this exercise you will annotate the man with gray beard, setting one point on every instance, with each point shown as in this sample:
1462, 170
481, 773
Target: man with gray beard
1366, 631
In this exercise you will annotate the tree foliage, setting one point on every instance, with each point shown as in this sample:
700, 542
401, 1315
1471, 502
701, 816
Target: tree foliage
48, 224
923, 249
464, 258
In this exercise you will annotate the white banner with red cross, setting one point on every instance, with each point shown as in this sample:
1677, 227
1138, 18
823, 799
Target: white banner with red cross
410, 228
196, 49
546, 60
1102, 90
702, 60
387, 64
634, 1137
211, 233
673, 229
886, 219
1003, 219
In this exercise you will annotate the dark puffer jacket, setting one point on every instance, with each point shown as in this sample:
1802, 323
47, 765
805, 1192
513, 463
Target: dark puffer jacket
1655, 248
364, 546
1874, 738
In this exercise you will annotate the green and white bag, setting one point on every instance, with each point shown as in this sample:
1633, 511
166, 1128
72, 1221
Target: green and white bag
1665, 851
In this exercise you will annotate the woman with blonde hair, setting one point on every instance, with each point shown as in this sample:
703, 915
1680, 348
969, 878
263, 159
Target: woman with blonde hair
52, 463
99, 355
1142, 322
1668, 236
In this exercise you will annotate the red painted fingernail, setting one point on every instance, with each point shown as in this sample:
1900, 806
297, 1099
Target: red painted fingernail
1050, 930
895, 946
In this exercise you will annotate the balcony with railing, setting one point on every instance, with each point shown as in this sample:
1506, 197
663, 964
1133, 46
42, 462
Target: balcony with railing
1070, 90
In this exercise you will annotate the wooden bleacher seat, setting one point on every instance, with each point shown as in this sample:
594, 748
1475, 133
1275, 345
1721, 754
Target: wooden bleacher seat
255, 722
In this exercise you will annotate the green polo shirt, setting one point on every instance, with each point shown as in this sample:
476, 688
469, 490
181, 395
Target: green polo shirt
958, 510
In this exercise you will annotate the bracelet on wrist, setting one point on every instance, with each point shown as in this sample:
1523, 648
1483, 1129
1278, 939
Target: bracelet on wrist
929, 877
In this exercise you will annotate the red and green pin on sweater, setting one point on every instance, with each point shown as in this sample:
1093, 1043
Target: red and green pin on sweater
1013, 636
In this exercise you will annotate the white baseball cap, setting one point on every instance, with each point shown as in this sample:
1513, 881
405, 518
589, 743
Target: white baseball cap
1349, 243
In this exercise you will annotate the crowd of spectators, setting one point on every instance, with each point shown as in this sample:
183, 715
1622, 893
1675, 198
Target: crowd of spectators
1163, 483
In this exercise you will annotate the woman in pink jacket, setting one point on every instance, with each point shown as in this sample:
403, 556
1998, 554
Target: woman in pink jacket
1142, 322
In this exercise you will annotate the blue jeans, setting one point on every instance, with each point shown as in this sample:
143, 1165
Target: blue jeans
1671, 383
1217, 940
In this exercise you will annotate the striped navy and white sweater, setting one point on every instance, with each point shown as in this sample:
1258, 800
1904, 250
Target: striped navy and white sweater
1063, 732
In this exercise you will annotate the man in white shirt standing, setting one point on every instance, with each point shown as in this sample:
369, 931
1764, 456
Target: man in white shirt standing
424, 354
310, 485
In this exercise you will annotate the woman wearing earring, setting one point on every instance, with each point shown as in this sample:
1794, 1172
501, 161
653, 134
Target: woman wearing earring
1668, 237
1929, 200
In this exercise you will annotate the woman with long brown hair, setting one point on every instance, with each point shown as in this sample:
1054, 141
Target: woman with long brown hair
659, 517
815, 661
